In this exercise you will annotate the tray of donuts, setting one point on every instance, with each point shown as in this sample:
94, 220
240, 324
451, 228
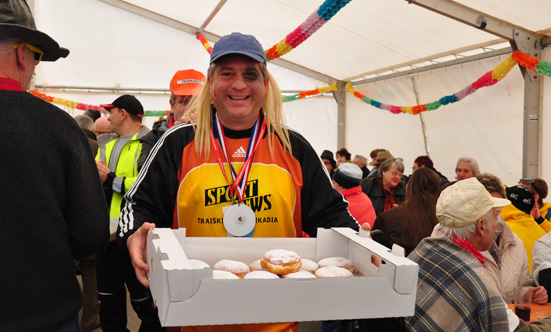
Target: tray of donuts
260, 280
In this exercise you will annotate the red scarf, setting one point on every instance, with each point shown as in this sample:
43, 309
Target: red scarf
9, 84
465, 244
389, 194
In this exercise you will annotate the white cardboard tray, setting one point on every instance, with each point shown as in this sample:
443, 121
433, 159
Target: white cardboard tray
191, 297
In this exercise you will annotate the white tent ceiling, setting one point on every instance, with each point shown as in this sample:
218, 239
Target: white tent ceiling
135, 46
364, 37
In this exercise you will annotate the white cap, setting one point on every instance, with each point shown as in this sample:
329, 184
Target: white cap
465, 202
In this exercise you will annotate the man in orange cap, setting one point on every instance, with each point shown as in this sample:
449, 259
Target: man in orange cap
185, 84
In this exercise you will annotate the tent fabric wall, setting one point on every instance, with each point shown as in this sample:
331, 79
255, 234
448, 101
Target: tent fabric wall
140, 53
486, 125
111, 47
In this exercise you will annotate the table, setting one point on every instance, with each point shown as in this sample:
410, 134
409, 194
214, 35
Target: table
542, 311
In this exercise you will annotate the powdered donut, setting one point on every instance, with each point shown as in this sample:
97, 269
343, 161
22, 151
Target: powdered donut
235, 267
197, 264
219, 274
301, 274
337, 261
333, 272
281, 261
261, 275
309, 265
256, 266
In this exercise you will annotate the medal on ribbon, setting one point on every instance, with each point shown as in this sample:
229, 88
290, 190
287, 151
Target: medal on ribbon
239, 219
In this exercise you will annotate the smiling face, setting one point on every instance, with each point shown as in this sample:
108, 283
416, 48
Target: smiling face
392, 177
238, 89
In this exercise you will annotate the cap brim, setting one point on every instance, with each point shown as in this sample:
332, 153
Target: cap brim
52, 50
107, 107
253, 56
500, 202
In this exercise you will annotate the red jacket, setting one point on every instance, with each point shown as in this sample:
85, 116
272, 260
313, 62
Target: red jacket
360, 206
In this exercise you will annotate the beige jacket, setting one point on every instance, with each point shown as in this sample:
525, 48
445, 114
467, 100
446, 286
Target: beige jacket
514, 265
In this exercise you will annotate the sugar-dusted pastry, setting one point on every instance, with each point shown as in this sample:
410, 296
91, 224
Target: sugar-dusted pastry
235, 267
281, 261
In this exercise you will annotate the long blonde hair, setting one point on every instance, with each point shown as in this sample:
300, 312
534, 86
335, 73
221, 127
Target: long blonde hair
272, 108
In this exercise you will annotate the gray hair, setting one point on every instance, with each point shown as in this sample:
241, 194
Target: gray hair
84, 122
363, 159
472, 162
467, 231
387, 164
6, 45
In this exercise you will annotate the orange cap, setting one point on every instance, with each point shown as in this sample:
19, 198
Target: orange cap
187, 82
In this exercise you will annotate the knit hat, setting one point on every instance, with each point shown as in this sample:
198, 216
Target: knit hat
348, 175
381, 157
238, 43
465, 202
521, 198
127, 102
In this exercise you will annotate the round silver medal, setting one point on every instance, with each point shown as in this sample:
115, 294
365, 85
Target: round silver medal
239, 220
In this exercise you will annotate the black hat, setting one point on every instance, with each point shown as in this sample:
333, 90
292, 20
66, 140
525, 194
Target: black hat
17, 22
326, 154
127, 102
521, 198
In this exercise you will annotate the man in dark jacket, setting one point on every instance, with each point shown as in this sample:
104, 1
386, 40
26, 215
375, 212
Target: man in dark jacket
52, 203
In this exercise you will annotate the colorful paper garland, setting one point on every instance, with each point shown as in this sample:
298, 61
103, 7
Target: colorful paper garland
488, 79
85, 107
315, 21
204, 41
312, 24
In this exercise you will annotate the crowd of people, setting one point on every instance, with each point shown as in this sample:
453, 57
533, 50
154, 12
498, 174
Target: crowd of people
410, 211
473, 239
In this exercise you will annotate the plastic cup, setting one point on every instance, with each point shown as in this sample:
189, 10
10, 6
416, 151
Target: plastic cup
523, 302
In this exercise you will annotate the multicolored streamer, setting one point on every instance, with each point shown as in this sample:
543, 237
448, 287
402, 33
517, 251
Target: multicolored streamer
302, 95
312, 24
85, 107
488, 79
315, 21
204, 41
65, 102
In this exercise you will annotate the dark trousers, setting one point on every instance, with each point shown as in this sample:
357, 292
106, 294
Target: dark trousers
114, 270
90, 306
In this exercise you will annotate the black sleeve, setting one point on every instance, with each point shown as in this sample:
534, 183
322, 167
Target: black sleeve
382, 238
322, 205
545, 279
153, 196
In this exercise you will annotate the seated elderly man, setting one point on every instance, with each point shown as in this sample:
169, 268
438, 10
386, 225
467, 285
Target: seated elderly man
506, 261
454, 291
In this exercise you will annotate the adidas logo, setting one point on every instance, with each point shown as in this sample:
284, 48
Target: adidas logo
239, 153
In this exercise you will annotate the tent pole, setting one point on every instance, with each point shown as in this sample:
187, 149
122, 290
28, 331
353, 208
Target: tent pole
340, 98
533, 85
421, 116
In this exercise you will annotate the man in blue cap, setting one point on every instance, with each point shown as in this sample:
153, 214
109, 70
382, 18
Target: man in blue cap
187, 176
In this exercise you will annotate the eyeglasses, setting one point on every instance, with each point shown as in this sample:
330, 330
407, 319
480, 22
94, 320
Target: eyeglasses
527, 180
38, 53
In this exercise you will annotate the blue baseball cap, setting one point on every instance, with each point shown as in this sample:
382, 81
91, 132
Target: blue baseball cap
238, 43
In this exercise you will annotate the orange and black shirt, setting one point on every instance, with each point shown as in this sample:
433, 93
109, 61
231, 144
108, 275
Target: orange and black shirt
288, 192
